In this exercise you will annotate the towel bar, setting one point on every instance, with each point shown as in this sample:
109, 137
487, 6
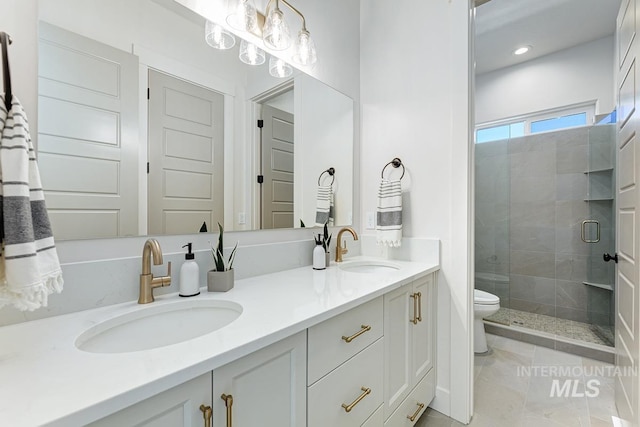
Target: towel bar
396, 163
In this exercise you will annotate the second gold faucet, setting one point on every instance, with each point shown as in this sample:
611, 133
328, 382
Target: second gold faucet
343, 250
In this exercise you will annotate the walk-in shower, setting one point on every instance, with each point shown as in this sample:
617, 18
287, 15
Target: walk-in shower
544, 218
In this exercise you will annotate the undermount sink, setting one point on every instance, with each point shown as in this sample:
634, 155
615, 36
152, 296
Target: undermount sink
158, 325
370, 267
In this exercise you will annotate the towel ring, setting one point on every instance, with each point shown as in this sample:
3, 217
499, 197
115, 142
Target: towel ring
396, 163
331, 172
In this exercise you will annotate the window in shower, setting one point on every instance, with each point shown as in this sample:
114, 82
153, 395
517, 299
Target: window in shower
500, 132
557, 123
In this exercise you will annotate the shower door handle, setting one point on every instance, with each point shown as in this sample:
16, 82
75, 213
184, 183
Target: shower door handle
607, 258
583, 231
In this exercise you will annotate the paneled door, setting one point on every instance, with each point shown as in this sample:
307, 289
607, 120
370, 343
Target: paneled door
627, 329
87, 135
277, 168
185, 156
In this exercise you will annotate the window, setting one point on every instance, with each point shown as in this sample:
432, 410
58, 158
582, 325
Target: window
556, 123
562, 118
496, 133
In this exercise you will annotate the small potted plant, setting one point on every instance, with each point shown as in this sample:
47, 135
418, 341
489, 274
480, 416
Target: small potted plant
220, 278
326, 240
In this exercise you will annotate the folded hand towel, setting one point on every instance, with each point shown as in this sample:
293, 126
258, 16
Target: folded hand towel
324, 207
29, 266
389, 213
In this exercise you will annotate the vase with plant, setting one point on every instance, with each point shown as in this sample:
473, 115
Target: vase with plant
220, 278
326, 241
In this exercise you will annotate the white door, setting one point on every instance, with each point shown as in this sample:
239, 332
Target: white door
87, 135
265, 388
627, 322
185, 156
176, 407
277, 168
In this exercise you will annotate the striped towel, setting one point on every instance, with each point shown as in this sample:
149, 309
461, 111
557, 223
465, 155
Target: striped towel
29, 266
389, 214
324, 206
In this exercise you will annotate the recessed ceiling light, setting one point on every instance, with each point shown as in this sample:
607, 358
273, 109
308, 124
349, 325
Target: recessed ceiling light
522, 50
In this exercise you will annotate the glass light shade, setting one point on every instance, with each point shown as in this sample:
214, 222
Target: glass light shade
305, 49
243, 15
251, 54
279, 68
217, 37
275, 32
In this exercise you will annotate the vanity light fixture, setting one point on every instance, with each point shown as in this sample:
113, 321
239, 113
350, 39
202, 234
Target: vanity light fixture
273, 28
217, 37
251, 54
522, 50
279, 68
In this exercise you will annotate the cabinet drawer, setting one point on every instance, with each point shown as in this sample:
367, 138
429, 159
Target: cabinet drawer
422, 394
326, 347
344, 386
375, 420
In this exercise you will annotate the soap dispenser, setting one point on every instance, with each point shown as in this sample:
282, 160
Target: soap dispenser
319, 256
189, 275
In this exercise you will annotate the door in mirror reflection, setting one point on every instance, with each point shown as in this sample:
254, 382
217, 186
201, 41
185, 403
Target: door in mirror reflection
277, 168
87, 138
185, 170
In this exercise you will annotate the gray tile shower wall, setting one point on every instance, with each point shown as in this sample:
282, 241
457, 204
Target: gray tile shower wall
533, 234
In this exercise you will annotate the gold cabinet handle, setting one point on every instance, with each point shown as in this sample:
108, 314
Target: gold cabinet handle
207, 412
365, 391
364, 329
413, 417
419, 294
228, 402
415, 309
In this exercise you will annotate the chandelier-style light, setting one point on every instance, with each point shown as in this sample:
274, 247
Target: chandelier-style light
251, 54
217, 37
279, 68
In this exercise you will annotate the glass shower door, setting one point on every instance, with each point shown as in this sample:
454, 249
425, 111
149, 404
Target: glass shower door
599, 231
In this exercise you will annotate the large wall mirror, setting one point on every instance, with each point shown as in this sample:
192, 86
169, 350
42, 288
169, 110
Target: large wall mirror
143, 128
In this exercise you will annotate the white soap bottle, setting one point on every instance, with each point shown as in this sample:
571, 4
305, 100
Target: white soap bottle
189, 275
319, 258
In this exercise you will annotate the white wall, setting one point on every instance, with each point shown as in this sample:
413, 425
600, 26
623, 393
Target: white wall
579, 74
325, 125
415, 105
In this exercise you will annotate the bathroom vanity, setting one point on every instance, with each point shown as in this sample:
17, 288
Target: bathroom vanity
351, 345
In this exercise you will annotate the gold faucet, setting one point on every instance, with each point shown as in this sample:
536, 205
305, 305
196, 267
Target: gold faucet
147, 281
339, 249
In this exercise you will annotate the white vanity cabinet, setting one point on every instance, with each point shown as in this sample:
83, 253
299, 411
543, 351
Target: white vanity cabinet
176, 407
409, 351
264, 388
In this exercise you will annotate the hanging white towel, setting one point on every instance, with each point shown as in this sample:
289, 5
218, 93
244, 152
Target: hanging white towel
29, 266
324, 206
389, 213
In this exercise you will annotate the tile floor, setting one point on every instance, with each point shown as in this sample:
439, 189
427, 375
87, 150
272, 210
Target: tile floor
503, 398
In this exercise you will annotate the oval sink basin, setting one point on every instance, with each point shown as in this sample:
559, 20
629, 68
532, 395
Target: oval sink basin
370, 267
158, 325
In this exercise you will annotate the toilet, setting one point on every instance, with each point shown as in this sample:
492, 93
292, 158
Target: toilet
484, 305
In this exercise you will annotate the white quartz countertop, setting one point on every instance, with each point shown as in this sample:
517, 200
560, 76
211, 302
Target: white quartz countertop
46, 380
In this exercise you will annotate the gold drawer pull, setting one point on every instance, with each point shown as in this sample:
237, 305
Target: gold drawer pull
413, 417
365, 391
207, 412
415, 309
419, 294
364, 329
228, 402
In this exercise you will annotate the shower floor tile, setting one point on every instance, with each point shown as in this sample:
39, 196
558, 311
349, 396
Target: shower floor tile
562, 327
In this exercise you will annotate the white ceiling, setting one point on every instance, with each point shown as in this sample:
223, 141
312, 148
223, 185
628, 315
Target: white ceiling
546, 25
